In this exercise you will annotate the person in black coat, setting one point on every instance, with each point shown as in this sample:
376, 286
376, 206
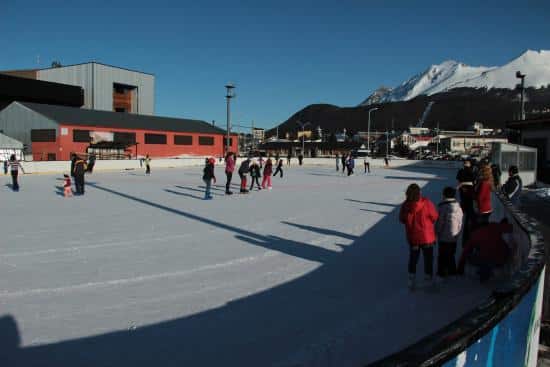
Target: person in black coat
91, 163
78, 172
255, 174
279, 168
244, 169
208, 176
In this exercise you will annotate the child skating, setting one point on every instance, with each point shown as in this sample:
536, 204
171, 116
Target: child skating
67, 191
244, 169
268, 170
147, 165
14, 166
208, 176
418, 214
255, 175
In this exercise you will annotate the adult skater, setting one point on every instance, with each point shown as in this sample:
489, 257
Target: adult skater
337, 163
6, 167
288, 157
261, 161
255, 175
91, 163
418, 214
14, 166
208, 176
279, 168
448, 228
74, 158
483, 191
147, 165
79, 170
300, 159
366, 164
268, 170
465, 178
229, 168
386, 161
351, 165
513, 186
344, 161
244, 169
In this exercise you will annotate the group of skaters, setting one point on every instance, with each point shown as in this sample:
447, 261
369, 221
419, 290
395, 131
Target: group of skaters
256, 169
79, 167
347, 161
483, 245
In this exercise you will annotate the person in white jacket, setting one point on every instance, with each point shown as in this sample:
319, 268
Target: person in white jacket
448, 228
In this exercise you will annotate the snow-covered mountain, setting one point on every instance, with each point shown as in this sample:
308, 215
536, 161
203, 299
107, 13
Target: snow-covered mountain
452, 74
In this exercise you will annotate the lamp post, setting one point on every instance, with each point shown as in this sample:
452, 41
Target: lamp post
521, 76
303, 125
368, 130
229, 94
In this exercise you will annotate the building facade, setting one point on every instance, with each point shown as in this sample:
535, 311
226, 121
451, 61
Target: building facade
54, 132
106, 88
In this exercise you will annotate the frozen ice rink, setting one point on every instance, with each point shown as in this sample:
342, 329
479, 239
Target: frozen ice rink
141, 272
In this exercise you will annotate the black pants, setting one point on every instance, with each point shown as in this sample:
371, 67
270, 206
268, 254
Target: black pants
350, 170
147, 169
228, 183
367, 167
252, 180
14, 183
79, 183
414, 255
446, 264
279, 169
482, 220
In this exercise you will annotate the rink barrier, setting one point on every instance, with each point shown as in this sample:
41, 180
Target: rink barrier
53, 167
504, 329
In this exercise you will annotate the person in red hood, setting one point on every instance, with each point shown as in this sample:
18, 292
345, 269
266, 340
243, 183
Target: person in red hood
419, 215
486, 249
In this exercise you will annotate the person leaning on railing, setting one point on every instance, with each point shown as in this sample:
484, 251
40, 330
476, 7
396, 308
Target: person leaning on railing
513, 186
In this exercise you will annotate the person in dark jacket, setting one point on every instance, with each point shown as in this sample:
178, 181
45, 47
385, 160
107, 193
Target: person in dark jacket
91, 163
78, 172
300, 159
73, 161
279, 168
244, 169
513, 186
288, 157
255, 174
6, 167
486, 249
497, 173
465, 178
14, 166
343, 163
208, 176
419, 215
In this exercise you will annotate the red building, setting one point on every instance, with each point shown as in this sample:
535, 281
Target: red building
54, 132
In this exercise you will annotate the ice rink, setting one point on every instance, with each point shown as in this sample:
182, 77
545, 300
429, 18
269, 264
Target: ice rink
142, 272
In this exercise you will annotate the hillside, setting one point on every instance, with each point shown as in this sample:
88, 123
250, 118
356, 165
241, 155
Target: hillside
454, 110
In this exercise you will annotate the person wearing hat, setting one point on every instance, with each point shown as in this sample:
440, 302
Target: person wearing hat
513, 186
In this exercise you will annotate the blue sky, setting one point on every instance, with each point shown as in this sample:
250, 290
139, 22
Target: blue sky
282, 55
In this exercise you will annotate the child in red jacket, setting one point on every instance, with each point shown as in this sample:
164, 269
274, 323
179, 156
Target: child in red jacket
419, 215
67, 186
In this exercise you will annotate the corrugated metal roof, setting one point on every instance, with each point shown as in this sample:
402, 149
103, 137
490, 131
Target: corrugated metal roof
122, 120
9, 143
82, 63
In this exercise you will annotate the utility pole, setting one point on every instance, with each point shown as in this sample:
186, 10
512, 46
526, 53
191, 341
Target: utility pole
368, 130
303, 126
437, 139
230, 94
521, 76
253, 135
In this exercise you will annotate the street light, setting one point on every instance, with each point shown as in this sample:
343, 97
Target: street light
303, 133
521, 76
230, 94
368, 130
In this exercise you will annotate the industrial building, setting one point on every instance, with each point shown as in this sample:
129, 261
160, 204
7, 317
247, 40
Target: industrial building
52, 132
106, 87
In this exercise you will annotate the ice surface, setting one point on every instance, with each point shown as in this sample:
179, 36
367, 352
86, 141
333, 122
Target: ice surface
140, 271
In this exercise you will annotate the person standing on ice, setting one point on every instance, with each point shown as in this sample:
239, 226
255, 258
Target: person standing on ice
366, 164
147, 165
14, 166
448, 227
79, 170
229, 168
337, 163
465, 178
67, 191
419, 215
268, 170
244, 169
208, 176
6, 167
255, 175
344, 161
279, 168
351, 165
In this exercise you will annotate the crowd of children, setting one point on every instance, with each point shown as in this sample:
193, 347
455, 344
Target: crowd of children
482, 242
